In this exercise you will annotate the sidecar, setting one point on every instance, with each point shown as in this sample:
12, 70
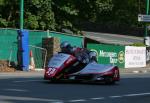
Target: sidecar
64, 66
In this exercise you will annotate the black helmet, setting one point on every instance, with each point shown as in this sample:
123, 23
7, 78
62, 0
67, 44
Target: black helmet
65, 44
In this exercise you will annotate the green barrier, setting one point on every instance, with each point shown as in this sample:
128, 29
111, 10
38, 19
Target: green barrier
109, 54
8, 43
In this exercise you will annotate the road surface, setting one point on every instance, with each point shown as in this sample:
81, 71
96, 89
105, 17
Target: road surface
114, 38
31, 88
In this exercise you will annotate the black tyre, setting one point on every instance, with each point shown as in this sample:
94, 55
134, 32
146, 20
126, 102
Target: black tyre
109, 80
53, 80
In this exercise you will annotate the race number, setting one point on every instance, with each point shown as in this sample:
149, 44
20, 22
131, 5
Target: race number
50, 71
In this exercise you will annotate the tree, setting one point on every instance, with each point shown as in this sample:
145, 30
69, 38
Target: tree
70, 14
39, 15
9, 12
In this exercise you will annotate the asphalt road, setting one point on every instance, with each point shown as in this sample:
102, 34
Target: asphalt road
114, 38
31, 88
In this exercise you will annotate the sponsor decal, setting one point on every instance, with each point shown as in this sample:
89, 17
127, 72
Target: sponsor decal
135, 56
148, 54
121, 57
114, 57
107, 54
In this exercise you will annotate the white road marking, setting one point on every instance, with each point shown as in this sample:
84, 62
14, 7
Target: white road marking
16, 90
115, 96
23, 81
99, 98
4, 101
3, 97
139, 94
112, 97
78, 100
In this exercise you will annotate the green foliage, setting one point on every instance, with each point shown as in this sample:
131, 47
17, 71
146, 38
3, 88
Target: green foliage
1, 2
103, 5
139, 44
39, 15
8, 13
32, 22
3, 22
68, 14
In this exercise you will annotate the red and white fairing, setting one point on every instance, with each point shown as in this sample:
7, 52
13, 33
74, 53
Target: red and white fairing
57, 63
60, 65
102, 69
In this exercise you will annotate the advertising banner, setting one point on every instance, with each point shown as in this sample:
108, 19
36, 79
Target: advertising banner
135, 56
109, 54
147, 54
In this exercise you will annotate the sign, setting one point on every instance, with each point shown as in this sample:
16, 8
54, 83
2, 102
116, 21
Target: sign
148, 54
147, 40
135, 56
143, 18
109, 54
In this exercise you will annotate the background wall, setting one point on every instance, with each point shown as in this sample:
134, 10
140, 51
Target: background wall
9, 43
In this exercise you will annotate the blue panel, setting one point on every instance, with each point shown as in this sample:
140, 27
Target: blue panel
24, 49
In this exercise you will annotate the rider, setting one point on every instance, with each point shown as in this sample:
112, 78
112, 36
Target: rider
82, 54
65, 47
93, 56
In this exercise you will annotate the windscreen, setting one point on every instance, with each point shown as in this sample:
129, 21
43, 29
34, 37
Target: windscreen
57, 60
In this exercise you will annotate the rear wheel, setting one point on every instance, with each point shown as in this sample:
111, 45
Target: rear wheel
45, 78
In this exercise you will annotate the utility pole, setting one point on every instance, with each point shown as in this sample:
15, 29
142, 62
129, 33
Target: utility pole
146, 27
23, 42
21, 13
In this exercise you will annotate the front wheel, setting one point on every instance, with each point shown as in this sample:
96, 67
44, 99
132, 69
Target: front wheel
109, 80
53, 80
